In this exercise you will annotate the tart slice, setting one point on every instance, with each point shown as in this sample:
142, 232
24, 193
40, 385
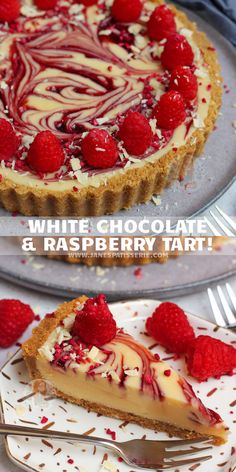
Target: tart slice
80, 352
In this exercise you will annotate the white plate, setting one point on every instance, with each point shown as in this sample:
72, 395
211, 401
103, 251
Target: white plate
21, 408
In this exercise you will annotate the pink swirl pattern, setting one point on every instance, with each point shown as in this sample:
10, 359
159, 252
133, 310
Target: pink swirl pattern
115, 360
66, 80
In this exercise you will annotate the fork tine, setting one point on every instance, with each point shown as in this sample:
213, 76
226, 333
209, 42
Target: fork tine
226, 217
185, 452
169, 465
184, 442
231, 296
228, 312
221, 225
212, 227
216, 311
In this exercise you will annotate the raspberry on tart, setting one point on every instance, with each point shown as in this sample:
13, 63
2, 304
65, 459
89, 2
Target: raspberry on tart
161, 23
209, 357
99, 149
170, 111
46, 153
184, 81
94, 324
177, 52
121, 378
170, 327
9, 10
136, 133
46, 4
87, 3
9, 142
79, 73
127, 11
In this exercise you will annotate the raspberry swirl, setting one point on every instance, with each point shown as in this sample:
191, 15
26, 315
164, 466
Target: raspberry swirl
75, 69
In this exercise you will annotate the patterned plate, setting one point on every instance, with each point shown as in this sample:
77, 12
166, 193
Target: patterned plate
21, 407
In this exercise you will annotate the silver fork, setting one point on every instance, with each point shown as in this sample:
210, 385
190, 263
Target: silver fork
137, 453
221, 218
229, 320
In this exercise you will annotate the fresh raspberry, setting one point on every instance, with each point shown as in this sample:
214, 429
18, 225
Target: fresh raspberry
15, 317
9, 10
136, 133
161, 23
170, 110
45, 153
9, 142
127, 11
94, 324
184, 81
170, 327
99, 149
209, 357
177, 52
45, 4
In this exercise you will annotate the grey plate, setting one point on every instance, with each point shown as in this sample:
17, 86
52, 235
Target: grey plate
213, 174
215, 171
180, 276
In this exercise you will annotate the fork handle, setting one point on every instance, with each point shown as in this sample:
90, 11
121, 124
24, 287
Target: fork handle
13, 430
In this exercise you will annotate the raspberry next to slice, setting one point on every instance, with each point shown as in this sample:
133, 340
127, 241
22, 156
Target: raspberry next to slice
170, 110
209, 357
45, 4
170, 327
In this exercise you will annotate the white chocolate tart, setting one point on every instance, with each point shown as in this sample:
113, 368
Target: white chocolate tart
64, 71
